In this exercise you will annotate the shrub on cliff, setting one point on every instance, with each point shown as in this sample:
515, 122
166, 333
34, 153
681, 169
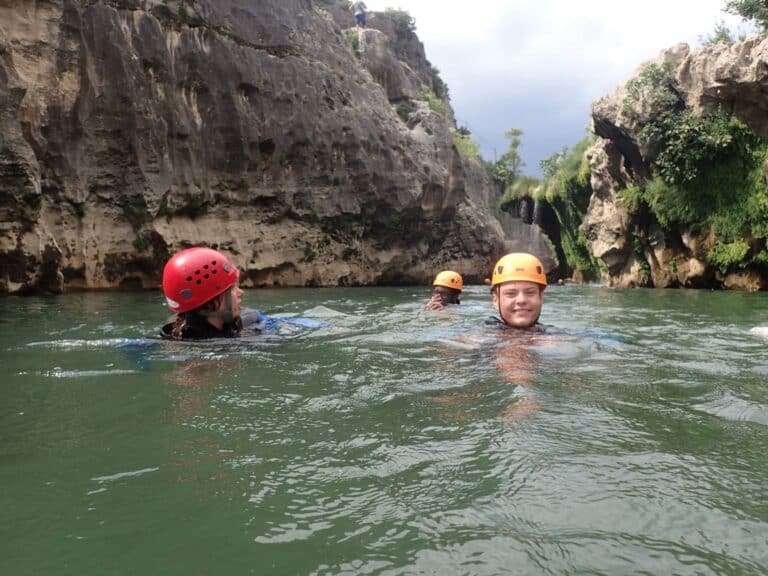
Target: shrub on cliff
402, 21
679, 142
353, 38
435, 103
706, 171
721, 35
567, 189
463, 141
753, 10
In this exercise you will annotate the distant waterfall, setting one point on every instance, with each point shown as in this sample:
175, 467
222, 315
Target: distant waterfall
524, 210
523, 234
536, 213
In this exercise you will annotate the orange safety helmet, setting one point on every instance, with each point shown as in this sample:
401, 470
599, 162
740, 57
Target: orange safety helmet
518, 266
194, 276
449, 279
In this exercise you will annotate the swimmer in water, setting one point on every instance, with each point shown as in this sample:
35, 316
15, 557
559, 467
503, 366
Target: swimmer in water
446, 290
200, 286
517, 292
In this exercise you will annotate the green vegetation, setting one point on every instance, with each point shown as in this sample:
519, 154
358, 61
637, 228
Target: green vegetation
403, 112
667, 201
721, 35
440, 88
435, 103
510, 165
567, 171
354, 40
462, 139
727, 255
522, 187
637, 250
752, 10
402, 21
566, 189
706, 172
142, 243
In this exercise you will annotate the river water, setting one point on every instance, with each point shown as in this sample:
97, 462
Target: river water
632, 439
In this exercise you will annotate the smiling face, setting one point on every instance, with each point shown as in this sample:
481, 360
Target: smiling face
518, 302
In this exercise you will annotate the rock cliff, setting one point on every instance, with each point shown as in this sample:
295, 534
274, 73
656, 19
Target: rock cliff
732, 78
306, 150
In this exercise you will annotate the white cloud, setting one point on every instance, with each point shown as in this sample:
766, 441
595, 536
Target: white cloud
524, 63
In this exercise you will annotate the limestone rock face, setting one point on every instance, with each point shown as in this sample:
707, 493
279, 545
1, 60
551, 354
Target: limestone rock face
605, 225
733, 77
395, 76
132, 128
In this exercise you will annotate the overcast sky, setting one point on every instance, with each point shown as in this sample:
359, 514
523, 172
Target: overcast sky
538, 64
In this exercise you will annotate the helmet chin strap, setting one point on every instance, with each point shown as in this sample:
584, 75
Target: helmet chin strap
498, 304
225, 315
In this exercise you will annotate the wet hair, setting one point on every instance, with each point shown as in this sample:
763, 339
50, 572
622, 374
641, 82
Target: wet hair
193, 317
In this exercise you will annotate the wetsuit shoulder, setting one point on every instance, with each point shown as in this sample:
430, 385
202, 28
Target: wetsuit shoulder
198, 328
497, 323
256, 321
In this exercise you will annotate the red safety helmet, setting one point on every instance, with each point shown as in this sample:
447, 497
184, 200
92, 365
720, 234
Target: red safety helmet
194, 276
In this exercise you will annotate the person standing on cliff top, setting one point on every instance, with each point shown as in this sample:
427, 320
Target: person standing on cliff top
446, 290
359, 8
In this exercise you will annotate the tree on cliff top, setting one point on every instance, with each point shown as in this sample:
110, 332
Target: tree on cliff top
510, 165
755, 10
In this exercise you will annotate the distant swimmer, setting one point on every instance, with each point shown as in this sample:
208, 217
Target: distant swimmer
446, 290
200, 286
517, 292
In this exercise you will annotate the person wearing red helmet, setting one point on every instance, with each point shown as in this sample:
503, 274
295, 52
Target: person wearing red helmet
446, 289
200, 286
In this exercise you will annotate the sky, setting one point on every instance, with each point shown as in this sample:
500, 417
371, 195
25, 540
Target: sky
538, 65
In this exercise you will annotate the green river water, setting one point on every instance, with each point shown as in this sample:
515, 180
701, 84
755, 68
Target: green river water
633, 440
